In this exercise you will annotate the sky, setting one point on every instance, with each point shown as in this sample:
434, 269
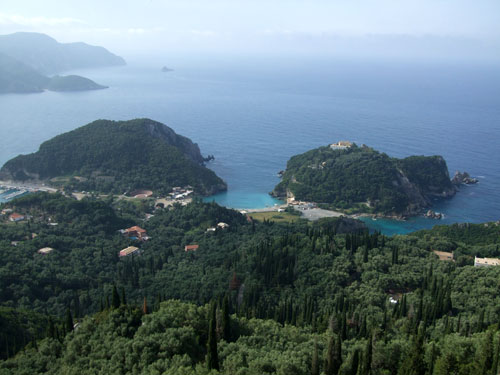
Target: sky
447, 29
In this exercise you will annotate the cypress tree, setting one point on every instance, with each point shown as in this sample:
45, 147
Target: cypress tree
226, 320
355, 362
480, 322
145, 306
414, 363
330, 357
123, 299
51, 330
212, 356
115, 299
367, 358
494, 366
333, 359
315, 361
69, 321
487, 354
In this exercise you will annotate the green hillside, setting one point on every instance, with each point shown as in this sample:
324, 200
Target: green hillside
118, 156
364, 180
254, 298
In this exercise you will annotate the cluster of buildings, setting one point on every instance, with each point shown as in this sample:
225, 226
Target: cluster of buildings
341, 145
478, 262
220, 225
181, 193
13, 216
134, 233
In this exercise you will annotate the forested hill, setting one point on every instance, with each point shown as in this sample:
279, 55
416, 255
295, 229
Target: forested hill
118, 156
47, 56
254, 298
361, 179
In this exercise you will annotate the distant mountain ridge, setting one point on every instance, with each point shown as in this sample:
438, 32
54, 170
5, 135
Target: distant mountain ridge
27, 58
117, 156
48, 56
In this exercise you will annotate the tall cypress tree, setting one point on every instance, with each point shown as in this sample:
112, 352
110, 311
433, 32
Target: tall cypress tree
69, 321
333, 359
123, 299
51, 329
367, 358
212, 356
355, 362
487, 354
226, 320
115, 298
315, 361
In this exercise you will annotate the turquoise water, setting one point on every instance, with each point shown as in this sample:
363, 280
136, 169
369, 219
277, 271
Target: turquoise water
244, 199
253, 115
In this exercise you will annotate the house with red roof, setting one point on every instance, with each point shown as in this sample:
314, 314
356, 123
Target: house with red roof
191, 248
136, 232
16, 217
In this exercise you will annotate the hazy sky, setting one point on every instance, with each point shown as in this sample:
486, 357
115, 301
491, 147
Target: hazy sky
442, 28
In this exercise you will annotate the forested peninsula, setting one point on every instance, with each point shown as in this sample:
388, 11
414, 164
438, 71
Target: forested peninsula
117, 157
357, 179
251, 298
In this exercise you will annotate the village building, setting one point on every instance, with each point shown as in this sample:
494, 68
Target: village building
443, 255
341, 145
136, 233
6, 211
129, 250
45, 250
485, 262
16, 217
222, 225
191, 248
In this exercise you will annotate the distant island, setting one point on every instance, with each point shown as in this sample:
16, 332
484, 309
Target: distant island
343, 176
28, 61
116, 157
165, 69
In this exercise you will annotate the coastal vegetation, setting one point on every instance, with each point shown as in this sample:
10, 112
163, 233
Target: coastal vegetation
117, 157
254, 297
361, 179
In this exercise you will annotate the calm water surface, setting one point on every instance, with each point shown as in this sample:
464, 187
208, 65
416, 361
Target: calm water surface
254, 115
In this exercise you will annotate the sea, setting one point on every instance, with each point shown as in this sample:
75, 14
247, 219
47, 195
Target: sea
253, 114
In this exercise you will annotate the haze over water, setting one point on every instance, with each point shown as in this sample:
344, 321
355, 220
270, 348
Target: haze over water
253, 115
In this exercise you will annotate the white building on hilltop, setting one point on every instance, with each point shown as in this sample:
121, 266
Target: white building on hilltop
341, 145
485, 262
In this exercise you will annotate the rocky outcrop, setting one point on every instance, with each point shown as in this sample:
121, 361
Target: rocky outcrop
433, 215
463, 178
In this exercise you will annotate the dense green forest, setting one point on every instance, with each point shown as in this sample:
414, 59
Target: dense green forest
117, 156
263, 297
361, 179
